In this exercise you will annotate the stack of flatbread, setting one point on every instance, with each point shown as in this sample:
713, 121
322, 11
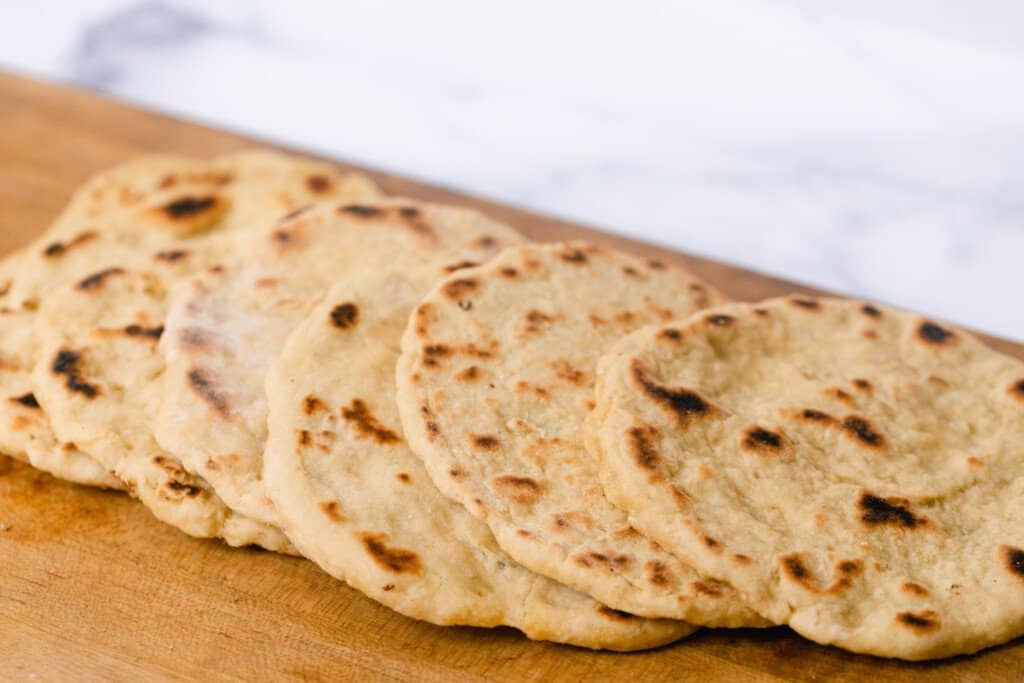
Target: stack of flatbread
589, 447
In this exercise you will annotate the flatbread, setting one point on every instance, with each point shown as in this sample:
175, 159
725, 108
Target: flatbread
25, 431
495, 379
360, 504
855, 471
225, 327
165, 206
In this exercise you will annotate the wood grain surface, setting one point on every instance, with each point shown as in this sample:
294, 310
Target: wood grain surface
93, 588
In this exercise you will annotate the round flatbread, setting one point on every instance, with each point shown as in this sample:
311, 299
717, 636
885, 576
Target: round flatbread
359, 503
495, 379
24, 429
226, 326
163, 206
855, 471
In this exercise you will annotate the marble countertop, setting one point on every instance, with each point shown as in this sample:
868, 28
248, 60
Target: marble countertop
873, 150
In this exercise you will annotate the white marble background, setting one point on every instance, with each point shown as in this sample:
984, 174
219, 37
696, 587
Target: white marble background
874, 147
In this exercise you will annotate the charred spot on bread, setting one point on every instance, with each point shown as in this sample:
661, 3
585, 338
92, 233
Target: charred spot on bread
68, 363
26, 401
485, 442
814, 415
332, 510
573, 255
793, 567
761, 440
459, 288
915, 589
171, 255
1014, 558
877, 511
345, 315
806, 303
919, 622
357, 413
521, 490
933, 333
312, 405
96, 280
318, 183
152, 333
862, 429
607, 561
641, 446
670, 334
56, 249
204, 384
1017, 389
684, 403
658, 574
395, 560
188, 206
360, 210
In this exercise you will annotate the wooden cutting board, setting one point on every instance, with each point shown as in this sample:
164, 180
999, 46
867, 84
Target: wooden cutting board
92, 587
